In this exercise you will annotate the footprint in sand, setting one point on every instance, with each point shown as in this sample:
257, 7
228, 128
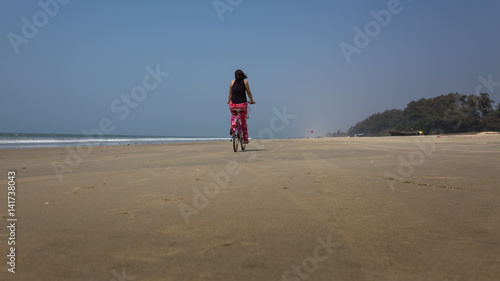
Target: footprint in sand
76, 189
173, 199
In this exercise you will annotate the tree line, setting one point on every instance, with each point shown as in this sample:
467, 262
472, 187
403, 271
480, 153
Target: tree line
445, 114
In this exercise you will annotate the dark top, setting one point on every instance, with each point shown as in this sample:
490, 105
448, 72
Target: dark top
239, 95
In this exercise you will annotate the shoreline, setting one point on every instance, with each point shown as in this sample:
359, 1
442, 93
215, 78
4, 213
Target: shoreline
222, 139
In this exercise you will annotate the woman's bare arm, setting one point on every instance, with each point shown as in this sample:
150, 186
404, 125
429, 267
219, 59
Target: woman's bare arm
230, 92
249, 92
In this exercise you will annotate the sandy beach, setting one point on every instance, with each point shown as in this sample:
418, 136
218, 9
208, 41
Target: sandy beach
389, 208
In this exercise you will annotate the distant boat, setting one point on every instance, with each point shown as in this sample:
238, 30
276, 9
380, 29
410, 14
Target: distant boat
401, 134
415, 133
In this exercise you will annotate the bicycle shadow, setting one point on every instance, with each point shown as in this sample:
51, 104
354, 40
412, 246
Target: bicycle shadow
254, 149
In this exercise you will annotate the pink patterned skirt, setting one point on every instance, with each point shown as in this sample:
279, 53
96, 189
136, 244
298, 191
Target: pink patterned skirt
243, 120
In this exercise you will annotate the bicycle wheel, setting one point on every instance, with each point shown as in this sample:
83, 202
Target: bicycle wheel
235, 136
243, 145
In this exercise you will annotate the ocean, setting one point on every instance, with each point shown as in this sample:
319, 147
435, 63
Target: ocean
18, 140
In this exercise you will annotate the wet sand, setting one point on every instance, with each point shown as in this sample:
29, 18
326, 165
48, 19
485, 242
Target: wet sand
392, 208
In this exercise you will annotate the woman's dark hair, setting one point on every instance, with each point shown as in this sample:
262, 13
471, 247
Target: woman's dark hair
239, 75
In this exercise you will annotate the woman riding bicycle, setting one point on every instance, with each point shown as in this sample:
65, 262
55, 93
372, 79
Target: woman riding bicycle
238, 100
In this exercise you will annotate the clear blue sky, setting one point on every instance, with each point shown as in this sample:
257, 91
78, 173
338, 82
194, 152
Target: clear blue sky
85, 55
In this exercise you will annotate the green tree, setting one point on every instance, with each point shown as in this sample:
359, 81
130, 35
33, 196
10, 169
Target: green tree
378, 124
451, 113
492, 121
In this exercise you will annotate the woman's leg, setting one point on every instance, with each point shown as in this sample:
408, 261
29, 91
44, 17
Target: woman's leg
244, 121
233, 114
245, 129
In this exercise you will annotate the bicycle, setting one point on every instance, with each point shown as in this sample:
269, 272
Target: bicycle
237, 132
